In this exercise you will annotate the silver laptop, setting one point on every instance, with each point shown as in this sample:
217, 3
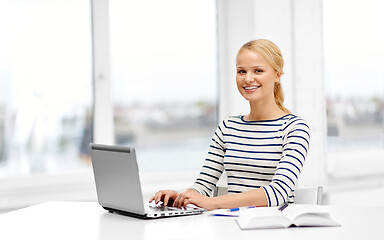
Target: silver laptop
118, 184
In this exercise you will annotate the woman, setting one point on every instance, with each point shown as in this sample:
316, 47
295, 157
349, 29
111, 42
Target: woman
262, 152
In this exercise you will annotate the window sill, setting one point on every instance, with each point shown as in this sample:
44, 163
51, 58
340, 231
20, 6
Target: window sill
362, 163
23, 191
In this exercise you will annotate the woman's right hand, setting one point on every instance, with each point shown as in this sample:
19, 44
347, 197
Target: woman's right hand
166, 196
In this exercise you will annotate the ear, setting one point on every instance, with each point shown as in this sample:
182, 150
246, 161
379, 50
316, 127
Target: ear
278, 76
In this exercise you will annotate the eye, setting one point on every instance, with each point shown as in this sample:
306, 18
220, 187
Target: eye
241, 71
258, 70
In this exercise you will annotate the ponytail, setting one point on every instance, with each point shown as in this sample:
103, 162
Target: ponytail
279, 97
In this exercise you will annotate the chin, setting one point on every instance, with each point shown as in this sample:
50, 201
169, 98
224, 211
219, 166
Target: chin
250, 98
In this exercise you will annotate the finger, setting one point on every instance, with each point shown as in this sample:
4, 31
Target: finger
158, 196
184, 196
176, 202
188, 201
179, 201
166, 199
182, 200
194, 202
153, 197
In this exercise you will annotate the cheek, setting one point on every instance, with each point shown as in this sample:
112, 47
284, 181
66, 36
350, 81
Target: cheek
268, 82
239, 82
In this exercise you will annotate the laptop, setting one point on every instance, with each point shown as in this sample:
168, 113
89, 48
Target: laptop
118, 186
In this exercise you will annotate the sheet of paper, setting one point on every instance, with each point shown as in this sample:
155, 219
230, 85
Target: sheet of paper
224, 213
234, 212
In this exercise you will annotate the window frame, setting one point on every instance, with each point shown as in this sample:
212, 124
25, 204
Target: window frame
348, 163
79, 185
303, 23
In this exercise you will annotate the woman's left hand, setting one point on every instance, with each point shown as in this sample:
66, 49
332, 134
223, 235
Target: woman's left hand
192, 197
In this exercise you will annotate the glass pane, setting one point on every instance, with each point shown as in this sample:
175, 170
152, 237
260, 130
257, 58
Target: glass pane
354, 74
164, 80
45, 86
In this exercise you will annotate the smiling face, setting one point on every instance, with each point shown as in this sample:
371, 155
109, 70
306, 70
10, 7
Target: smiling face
255, 77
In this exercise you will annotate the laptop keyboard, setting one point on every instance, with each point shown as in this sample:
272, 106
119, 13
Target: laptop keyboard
161, 208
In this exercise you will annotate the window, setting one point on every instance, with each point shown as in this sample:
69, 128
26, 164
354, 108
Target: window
45, 86
354, 80
164, 80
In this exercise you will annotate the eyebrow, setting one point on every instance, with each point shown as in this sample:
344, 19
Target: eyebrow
257, 66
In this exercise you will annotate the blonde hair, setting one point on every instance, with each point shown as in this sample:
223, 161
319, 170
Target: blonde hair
273, 55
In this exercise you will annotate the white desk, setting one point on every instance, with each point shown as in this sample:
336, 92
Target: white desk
87, 220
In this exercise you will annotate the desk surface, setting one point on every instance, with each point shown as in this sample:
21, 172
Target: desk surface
87, 220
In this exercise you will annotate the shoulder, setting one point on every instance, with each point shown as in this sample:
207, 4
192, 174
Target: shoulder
294, 118
293, 122
231, 120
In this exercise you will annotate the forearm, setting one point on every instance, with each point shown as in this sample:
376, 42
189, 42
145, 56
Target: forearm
255, 197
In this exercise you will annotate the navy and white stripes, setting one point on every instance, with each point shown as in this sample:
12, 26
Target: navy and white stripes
268, 154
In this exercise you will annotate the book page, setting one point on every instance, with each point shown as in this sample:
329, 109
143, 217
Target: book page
309, 215
313, 220
263, 217
293, 211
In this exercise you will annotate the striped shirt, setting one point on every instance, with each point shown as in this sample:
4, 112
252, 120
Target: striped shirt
269, 154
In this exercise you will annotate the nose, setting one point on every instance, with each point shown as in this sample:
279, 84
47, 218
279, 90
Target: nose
249, 78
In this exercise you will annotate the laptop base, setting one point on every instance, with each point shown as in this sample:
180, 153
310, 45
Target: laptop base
121, 212
160, 215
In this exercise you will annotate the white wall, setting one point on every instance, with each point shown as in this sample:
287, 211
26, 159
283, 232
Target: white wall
103, 113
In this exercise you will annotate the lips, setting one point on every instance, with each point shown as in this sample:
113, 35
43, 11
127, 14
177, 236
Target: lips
251, 87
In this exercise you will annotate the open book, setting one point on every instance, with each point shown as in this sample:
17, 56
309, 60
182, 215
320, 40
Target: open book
299, 215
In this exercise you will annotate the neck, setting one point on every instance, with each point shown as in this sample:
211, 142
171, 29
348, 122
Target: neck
264, 111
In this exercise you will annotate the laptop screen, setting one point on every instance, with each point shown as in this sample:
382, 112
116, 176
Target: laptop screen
117, 178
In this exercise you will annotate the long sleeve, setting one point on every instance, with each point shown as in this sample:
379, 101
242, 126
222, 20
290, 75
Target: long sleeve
295, 147
213, 165
267, 154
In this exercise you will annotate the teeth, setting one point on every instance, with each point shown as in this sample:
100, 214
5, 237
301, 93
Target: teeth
250, 88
